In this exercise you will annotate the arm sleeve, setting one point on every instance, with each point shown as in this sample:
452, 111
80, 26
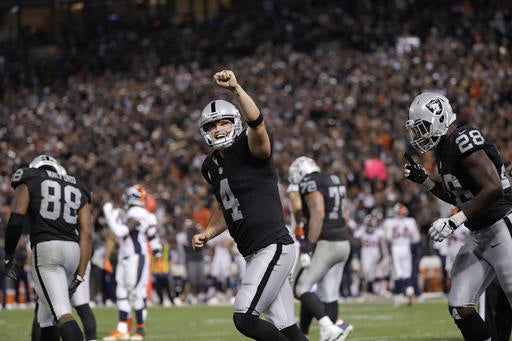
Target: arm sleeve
113, 221
13, 232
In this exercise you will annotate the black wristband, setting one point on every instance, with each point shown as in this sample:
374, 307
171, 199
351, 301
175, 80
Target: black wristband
256, 122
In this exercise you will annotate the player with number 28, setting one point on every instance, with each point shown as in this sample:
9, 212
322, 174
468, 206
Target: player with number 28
472, 177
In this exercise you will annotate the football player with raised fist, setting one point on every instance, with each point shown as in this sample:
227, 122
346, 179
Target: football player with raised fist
242, 175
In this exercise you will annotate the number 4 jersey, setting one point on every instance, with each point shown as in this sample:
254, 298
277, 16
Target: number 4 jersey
54, 203
457, 180
246, 188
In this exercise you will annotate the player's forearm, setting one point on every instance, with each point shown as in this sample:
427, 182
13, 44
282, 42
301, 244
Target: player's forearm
120, 230
213, 231
109, 245
85, 243
250, 111
315, 227
13, 233
259, 141
217, 224
439, 192
85, 238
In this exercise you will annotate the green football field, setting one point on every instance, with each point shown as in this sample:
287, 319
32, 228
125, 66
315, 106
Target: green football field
427, 320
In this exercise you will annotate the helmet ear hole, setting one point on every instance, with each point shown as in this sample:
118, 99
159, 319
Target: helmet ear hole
441, 119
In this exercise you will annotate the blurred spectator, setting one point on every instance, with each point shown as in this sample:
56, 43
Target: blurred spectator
162, 277
3, 284
194, 262
22, 286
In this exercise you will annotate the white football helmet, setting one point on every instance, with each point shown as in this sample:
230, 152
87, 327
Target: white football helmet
46, 161
135, 195
301, 167
430, 115
215, 111
373, 220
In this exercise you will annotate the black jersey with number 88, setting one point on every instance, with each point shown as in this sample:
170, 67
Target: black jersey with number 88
54, 203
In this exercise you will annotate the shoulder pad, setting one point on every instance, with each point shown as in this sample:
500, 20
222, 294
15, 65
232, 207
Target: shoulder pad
22, 175
137, 212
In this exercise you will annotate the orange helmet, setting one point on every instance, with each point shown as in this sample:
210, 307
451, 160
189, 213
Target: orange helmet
150, 203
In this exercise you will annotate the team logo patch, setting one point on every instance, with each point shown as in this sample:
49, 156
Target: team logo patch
435, 106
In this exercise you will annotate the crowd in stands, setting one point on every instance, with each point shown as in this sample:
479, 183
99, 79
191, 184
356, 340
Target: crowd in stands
122, 106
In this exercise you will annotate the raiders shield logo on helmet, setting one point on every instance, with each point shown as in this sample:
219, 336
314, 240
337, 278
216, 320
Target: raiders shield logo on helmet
435, 106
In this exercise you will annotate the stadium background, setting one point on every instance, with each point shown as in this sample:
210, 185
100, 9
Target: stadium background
114, 89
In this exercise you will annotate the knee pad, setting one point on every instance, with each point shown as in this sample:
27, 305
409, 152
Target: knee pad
121, 292
124, 305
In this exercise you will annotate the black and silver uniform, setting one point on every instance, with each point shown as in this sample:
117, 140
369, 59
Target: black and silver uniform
54, 203
334, 194
458, 182
246, 188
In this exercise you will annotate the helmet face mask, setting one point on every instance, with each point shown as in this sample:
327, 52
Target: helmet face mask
214, 125
430, 115
301, 167
135, 195
47, 162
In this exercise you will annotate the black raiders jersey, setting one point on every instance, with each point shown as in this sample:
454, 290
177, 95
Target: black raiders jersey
458, 182
334, 194
246, 189
54, 203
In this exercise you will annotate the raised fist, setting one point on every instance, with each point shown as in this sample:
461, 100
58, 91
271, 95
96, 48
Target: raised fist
225, 79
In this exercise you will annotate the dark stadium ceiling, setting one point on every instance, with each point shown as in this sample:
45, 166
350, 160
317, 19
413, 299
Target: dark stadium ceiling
7, 4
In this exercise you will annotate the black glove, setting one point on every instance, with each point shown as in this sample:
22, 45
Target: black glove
12, 269
157, 253
74, 284
413, 171
306, 246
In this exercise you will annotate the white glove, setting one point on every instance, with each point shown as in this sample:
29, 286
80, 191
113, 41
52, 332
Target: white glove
305, 260
440, 229
444, 227
108, 208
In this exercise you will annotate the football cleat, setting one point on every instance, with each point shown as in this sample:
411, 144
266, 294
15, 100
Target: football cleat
117, 335
139, 335
347, 328
332, 333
